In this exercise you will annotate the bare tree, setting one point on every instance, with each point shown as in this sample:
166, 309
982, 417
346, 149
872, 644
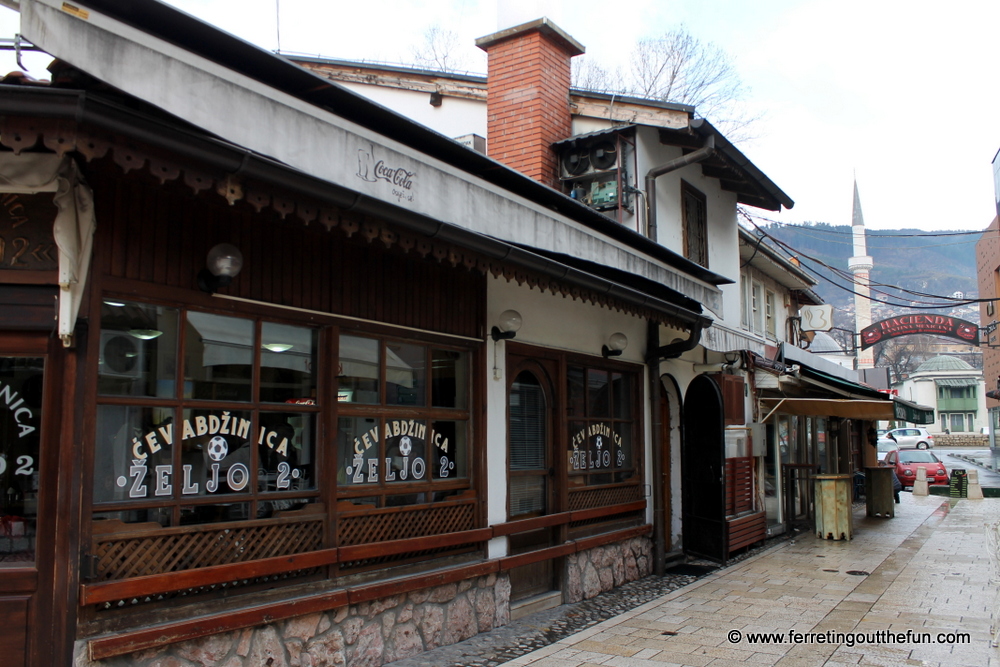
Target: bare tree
678, 67
440, 50
902, 357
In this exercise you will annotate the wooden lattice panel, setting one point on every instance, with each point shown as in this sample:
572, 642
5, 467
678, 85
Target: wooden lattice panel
603, 496
396, 524
157, 551
739, 485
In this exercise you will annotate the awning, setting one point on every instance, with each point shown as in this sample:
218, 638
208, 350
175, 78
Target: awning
912, 412
829, 407
840, 385
956, 382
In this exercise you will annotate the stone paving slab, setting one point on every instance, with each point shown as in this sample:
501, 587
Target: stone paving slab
926, 570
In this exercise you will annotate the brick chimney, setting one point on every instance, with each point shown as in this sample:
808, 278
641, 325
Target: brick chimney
527, 99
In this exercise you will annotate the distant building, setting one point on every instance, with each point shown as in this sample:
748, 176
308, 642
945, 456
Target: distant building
955, 389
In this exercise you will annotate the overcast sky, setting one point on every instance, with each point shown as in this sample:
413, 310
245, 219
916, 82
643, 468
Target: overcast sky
901, 94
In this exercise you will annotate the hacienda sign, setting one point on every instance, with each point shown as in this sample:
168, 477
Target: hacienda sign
905, 325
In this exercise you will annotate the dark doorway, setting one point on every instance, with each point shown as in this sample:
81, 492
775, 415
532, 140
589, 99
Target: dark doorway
530, 474
703, 493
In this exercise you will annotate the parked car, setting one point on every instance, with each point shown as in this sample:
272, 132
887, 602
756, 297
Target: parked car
885, 445
917, 437
906, 462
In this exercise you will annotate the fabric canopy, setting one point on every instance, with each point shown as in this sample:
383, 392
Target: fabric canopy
73, 228
829, 407
913, 413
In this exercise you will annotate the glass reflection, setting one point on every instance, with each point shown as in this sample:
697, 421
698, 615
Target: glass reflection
218, 357
358, 370
287, 364
405, 374
138, 353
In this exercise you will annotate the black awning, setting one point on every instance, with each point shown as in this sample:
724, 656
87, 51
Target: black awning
912, 412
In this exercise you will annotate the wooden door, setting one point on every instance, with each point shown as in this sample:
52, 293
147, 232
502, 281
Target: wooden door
26, 539
703, 511
531, 471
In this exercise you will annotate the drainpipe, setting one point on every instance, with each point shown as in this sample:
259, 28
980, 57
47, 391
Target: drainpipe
702, 153
656, 354
659, 352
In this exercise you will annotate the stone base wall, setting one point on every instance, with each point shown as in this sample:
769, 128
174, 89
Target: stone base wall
371, 634
595, 571
961, 440
363, 635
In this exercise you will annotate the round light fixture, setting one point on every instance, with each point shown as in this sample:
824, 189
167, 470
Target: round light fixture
145, 334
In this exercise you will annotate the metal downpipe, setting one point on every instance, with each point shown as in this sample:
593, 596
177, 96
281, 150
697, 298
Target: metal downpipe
655, 355
703, 153
656, 424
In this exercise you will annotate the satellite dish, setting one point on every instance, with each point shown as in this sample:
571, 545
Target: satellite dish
603, 155
575, 162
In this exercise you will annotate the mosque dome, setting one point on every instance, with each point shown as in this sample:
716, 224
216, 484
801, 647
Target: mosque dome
943, 363
824, 343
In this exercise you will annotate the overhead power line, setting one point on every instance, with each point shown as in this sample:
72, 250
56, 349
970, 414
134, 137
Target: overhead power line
890, 298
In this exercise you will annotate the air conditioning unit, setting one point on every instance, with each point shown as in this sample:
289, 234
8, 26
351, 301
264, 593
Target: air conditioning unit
589, 158
121, 355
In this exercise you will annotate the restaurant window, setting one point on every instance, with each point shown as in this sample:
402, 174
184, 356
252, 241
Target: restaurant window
695, 220
202, 418
601, 407
403, 422
21, 425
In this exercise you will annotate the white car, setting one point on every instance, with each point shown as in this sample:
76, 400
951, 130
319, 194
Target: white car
915, 436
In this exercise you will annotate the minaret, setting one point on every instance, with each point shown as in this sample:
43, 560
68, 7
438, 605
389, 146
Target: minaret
860, 265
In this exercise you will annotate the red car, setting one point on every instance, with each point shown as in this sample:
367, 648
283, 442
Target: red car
906, 462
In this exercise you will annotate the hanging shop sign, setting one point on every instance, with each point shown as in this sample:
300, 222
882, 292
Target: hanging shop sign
918, 323
596, 446
26, 240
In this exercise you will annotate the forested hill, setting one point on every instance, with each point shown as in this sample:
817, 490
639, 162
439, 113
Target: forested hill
910, 258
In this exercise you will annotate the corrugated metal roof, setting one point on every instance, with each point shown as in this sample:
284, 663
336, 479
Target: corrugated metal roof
956, 382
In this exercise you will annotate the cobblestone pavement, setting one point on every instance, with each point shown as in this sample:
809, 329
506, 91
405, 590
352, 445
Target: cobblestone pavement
547, 627
924, 571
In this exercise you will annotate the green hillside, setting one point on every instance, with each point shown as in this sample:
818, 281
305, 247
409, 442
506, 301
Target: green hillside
909, 258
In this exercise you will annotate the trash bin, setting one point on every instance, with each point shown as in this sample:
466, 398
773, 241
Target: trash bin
958, 484
833, 507
878, 491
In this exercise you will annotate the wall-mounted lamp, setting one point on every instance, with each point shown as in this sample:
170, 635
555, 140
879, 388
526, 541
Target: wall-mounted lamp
510, 322
223, 263
617, 343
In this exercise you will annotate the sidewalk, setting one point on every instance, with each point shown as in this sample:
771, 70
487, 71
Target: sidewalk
926, 570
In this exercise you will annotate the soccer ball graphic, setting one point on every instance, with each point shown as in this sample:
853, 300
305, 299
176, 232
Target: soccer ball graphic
217, 448
405, 445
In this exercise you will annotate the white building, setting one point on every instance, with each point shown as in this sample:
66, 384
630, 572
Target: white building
955, 389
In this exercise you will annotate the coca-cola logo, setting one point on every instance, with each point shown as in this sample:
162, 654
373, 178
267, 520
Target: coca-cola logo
372, 170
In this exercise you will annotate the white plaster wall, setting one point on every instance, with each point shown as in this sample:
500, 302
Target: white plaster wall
454, 118
555, 322
723, 240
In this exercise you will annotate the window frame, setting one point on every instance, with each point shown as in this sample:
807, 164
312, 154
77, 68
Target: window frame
384, 413
177, 501
770, 316
694, 224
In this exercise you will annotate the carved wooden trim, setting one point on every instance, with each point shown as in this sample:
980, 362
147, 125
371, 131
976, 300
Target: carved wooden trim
20, 133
